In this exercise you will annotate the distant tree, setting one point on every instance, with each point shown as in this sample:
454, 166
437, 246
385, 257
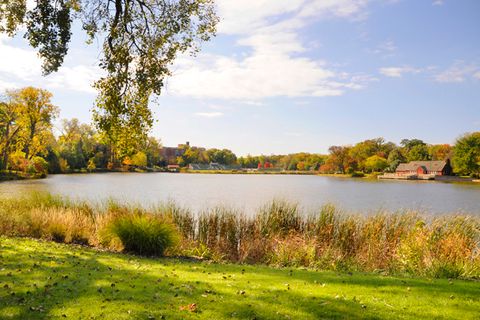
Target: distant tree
408, 144
224, 156
339, 159
139, 159
152, 149
466, 156
365, 149
395, 157
440, 151
418, 152
91, 165
376, 163
301, 166
76, 143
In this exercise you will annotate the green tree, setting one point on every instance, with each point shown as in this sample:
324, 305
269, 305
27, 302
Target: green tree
153, 149
395, 157
76, 143
408, 144
376, 163
466, 154
418, 152
224, 156
141, 39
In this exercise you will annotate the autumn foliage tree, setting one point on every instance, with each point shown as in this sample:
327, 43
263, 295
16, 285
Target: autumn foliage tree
141, 39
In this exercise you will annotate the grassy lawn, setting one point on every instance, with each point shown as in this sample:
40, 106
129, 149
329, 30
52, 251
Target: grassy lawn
44, 280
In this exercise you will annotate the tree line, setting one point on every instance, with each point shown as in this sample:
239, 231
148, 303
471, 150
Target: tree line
29, 145
378, 155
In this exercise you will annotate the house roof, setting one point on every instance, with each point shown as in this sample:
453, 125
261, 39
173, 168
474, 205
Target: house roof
429, 165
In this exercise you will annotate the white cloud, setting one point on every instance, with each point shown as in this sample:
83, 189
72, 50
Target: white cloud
240, 17
274, 66
438, 3
385, 49
78, 78
477, 75
17, 62
458, 72
398, 72
23, 67
209, 114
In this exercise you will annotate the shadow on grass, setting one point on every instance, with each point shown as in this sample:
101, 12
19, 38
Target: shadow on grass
47, 281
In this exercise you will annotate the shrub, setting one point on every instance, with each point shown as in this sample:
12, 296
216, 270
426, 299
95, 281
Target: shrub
279, 217
142, 233
357, 174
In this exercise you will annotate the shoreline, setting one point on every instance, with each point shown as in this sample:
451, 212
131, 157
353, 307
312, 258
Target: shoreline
12, 176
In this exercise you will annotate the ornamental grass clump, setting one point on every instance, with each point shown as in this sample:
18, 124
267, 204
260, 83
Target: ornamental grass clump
141, 233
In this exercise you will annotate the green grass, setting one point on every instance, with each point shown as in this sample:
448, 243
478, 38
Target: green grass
46, 280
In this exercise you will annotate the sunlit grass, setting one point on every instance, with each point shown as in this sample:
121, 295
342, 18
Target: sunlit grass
44, 280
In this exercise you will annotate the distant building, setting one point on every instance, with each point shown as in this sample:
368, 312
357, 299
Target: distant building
437, 168
170, 154
173, 167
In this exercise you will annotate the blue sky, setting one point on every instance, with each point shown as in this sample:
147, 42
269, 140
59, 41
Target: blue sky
286, 76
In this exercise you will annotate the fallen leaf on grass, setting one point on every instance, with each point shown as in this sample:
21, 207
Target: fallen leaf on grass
191, 307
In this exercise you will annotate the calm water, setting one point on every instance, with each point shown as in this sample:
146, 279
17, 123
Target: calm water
249, 192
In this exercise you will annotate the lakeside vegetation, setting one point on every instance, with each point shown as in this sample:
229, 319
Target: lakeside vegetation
278, 235
44, 280
29, 148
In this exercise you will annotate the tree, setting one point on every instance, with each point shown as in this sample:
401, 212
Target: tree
36, 113
440, 151
139, 159
408, 144
395, 157
365, 149
418, 152
9, 130
376, 163
466, 156
339, 159
152, 149
141, 39
76, 143
224, 156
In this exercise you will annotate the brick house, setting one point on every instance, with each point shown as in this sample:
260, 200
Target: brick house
437, 168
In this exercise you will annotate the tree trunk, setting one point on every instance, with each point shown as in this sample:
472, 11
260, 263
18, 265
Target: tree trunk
27, 146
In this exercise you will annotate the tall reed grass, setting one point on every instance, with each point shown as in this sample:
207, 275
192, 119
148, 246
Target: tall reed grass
279, 234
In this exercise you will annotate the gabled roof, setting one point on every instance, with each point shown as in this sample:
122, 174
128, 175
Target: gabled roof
429, 165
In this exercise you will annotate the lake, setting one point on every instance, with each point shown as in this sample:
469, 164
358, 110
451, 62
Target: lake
249, 192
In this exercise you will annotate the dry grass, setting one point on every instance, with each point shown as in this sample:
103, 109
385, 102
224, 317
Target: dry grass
280, 234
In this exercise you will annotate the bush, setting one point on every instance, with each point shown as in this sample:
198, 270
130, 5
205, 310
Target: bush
357, 174
141, 233
40, 165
